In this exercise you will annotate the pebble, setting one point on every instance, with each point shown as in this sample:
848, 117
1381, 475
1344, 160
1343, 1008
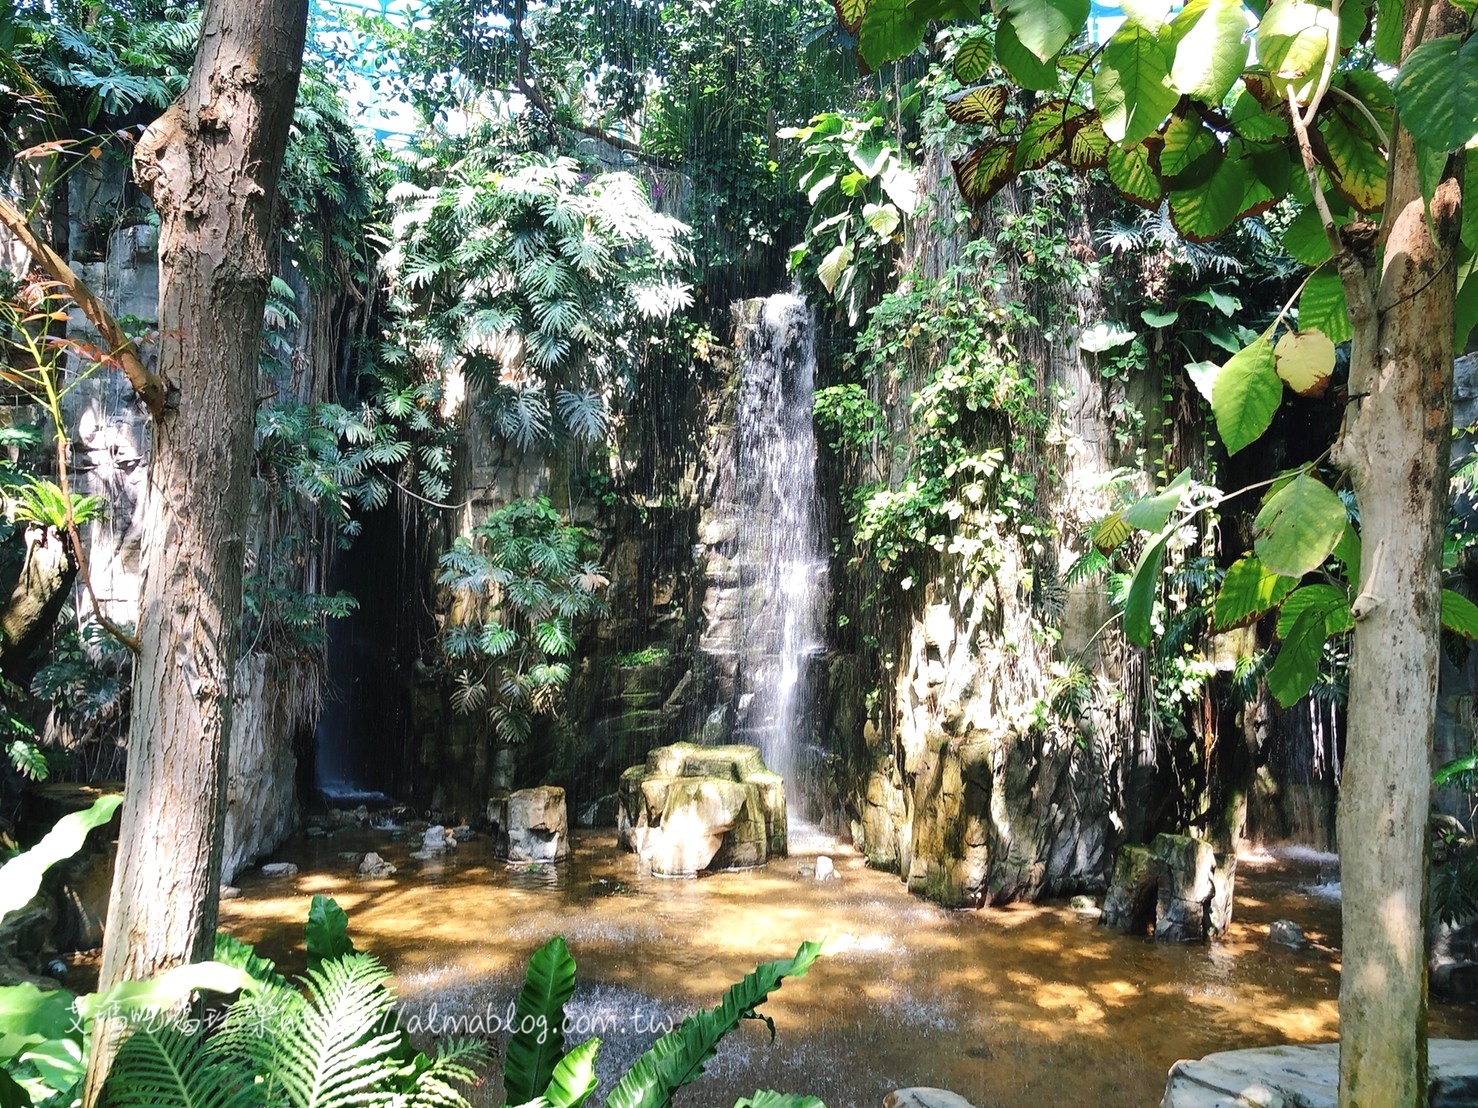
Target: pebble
279, 869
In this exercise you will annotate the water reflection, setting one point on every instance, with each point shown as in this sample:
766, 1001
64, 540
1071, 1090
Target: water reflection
1018, 1006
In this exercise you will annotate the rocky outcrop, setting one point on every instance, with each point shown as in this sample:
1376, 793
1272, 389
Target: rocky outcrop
1307, 1076
691, 808
530, 825
1177, 887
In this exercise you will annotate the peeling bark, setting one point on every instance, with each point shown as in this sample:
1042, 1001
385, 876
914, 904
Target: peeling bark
210, 165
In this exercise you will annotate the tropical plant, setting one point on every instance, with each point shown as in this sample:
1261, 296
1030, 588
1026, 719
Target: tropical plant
522, 581
538, 281
539, 1071
1362, 112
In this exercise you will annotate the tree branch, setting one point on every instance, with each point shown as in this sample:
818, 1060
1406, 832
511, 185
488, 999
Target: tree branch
149, 386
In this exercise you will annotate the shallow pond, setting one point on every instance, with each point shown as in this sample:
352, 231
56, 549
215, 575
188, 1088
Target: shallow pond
1026, 1005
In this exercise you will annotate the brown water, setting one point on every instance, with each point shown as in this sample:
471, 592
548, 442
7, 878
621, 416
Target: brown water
1026, 1005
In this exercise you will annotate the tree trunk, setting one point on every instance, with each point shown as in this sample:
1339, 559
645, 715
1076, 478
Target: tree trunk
211, 165
42, 583
1396, 449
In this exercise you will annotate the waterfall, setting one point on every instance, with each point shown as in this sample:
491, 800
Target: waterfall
780, 555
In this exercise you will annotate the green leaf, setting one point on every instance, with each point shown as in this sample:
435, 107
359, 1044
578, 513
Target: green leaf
1465, 308
1246, 395
574, 1077
327, 932
1211, 49
1321, 306
1253, 121
890, 30
1189, 153
165, 991
882, 218
1131, 89
972, 60
982, 104
1248, 591
1297, 666
1206, 211
20, 878
1459, 614
1437, 92
1292, 40
1139, 608
1153, 512
850, 13
985, 170
1153, 318
1332, 601
1131, 172
1354, 155
11, 1094
1106, 336
1299, 526
1020, 64
1456, 768
1305, 239
1347, 550
1387, 40
1109, 532
767, 1099
1044, 27
538, 1040
1045, 134
678, 1058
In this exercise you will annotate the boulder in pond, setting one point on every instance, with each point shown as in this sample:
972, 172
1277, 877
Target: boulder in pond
921, 1097
530, 826
374, 866
1177, 887
279, 869
692, 808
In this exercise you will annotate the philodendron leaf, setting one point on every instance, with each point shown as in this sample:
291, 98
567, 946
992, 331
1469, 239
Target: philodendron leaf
1305, 359
1332, 600
1246, 394
1249, 590
1459, 614
1297, 666
327, 933
21, 876
573, 1079
1299, 526
1437, 92
837, 259
1139, 609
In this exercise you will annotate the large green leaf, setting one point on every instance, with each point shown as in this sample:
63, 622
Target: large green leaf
1292, 40
1465, 308
1139, 608
1299, 526
1255, 122
1211, 48
890, 30
1332, 600
1130, 170
1437, 92
767, 1099
1153, 512
1188, 152
1024, 67
20, 877
678, 1058
1297, 666
1207, 210
1304, 237
1045, 26
167, 990
1321, 306
850, 13
1131, 88
1387, 39
1246, 394
1044, 136
1459, 614
29, 1015
1248, 591
537, 1041
1353, 153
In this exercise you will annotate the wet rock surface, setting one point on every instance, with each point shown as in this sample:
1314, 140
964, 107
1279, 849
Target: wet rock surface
1307, 1077
530, 826
691, 808
1177, 887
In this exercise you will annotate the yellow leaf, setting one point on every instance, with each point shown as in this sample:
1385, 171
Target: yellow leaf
1305, 359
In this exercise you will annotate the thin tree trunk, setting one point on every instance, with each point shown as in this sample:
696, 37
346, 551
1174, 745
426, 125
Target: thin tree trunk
1396, 450
211, 165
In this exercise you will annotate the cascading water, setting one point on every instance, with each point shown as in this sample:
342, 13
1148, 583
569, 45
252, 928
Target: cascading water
780, 555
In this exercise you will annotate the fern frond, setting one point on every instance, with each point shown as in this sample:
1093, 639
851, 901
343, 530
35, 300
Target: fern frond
163, 1067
